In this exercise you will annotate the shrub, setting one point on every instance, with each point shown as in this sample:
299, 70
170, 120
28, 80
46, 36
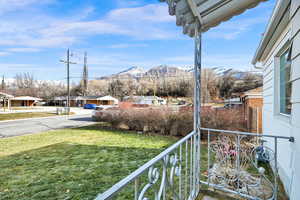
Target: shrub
227, 119
167, 121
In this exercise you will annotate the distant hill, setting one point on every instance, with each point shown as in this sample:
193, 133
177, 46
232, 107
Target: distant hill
133, 71
160, 71
164, 70
237, 74
173, 73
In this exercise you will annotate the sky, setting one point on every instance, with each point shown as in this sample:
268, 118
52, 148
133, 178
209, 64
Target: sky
116, 34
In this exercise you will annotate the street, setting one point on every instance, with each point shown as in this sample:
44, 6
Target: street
37, 125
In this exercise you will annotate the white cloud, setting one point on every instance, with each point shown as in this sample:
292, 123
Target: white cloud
142, 23
3, 53
145, 22
23, 50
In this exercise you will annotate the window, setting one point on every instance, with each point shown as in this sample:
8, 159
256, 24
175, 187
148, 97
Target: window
285, 85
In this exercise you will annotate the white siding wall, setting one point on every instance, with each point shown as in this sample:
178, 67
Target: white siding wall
295, 120
276, 124
272, 123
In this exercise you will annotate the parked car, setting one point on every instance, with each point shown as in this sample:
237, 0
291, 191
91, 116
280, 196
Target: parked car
90, 106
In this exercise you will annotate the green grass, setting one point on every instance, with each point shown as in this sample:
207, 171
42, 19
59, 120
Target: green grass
72, 163
23, 108
82, 162
12, 116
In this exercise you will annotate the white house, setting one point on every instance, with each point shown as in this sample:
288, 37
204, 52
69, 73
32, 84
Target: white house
279, 57
24, 101
107, 100
147, 100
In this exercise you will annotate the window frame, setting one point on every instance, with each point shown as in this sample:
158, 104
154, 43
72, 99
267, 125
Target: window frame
287, 48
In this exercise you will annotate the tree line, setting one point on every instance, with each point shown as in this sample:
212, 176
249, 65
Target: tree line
214, 86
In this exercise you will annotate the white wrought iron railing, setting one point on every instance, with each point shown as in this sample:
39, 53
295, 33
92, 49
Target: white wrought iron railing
243, 164
234, 162
173, 174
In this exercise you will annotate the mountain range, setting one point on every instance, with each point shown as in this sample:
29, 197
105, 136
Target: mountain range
171, 71
158, 71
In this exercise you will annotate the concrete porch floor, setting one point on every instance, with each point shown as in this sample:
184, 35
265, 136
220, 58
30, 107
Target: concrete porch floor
213, 195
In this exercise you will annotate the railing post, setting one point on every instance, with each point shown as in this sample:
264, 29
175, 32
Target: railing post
276, 169
136, 188
197, 108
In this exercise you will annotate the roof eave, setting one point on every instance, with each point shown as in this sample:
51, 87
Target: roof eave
201, 15
273, 23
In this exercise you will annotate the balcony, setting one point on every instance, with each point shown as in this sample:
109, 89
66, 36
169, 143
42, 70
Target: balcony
241, 165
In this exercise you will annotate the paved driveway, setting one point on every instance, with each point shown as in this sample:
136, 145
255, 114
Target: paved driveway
28, 126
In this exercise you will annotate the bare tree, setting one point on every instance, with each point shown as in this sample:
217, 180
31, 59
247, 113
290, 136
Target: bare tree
25, 84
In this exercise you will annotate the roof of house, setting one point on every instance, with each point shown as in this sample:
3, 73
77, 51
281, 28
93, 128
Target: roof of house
143, 97
107, 98
277, 22
63, 98
5, 95
26, 98
209, 13
256, 92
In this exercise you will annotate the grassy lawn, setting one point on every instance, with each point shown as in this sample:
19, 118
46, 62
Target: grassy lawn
24, 108
72, 163
79, 163
12, 116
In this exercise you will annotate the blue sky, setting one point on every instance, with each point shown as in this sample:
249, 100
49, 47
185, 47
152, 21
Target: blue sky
117, 34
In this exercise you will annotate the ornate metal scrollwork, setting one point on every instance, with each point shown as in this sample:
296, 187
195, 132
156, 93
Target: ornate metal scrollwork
153, 176
235, 166
170, 168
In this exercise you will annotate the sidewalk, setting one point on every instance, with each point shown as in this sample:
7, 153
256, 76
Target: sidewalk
76, 110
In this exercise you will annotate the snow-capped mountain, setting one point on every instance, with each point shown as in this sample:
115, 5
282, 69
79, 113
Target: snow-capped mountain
161, 70
223, 71
164, 70
134, 71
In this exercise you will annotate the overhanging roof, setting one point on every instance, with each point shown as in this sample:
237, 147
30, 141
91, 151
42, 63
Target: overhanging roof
26, 98
107, 98
210, 13
5, 96
277, 22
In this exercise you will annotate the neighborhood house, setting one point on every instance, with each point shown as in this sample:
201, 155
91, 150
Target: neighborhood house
79, 101
252, 105
146, 100
24, 101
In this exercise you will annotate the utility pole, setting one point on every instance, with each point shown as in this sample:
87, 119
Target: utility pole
85, 75
68, 76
